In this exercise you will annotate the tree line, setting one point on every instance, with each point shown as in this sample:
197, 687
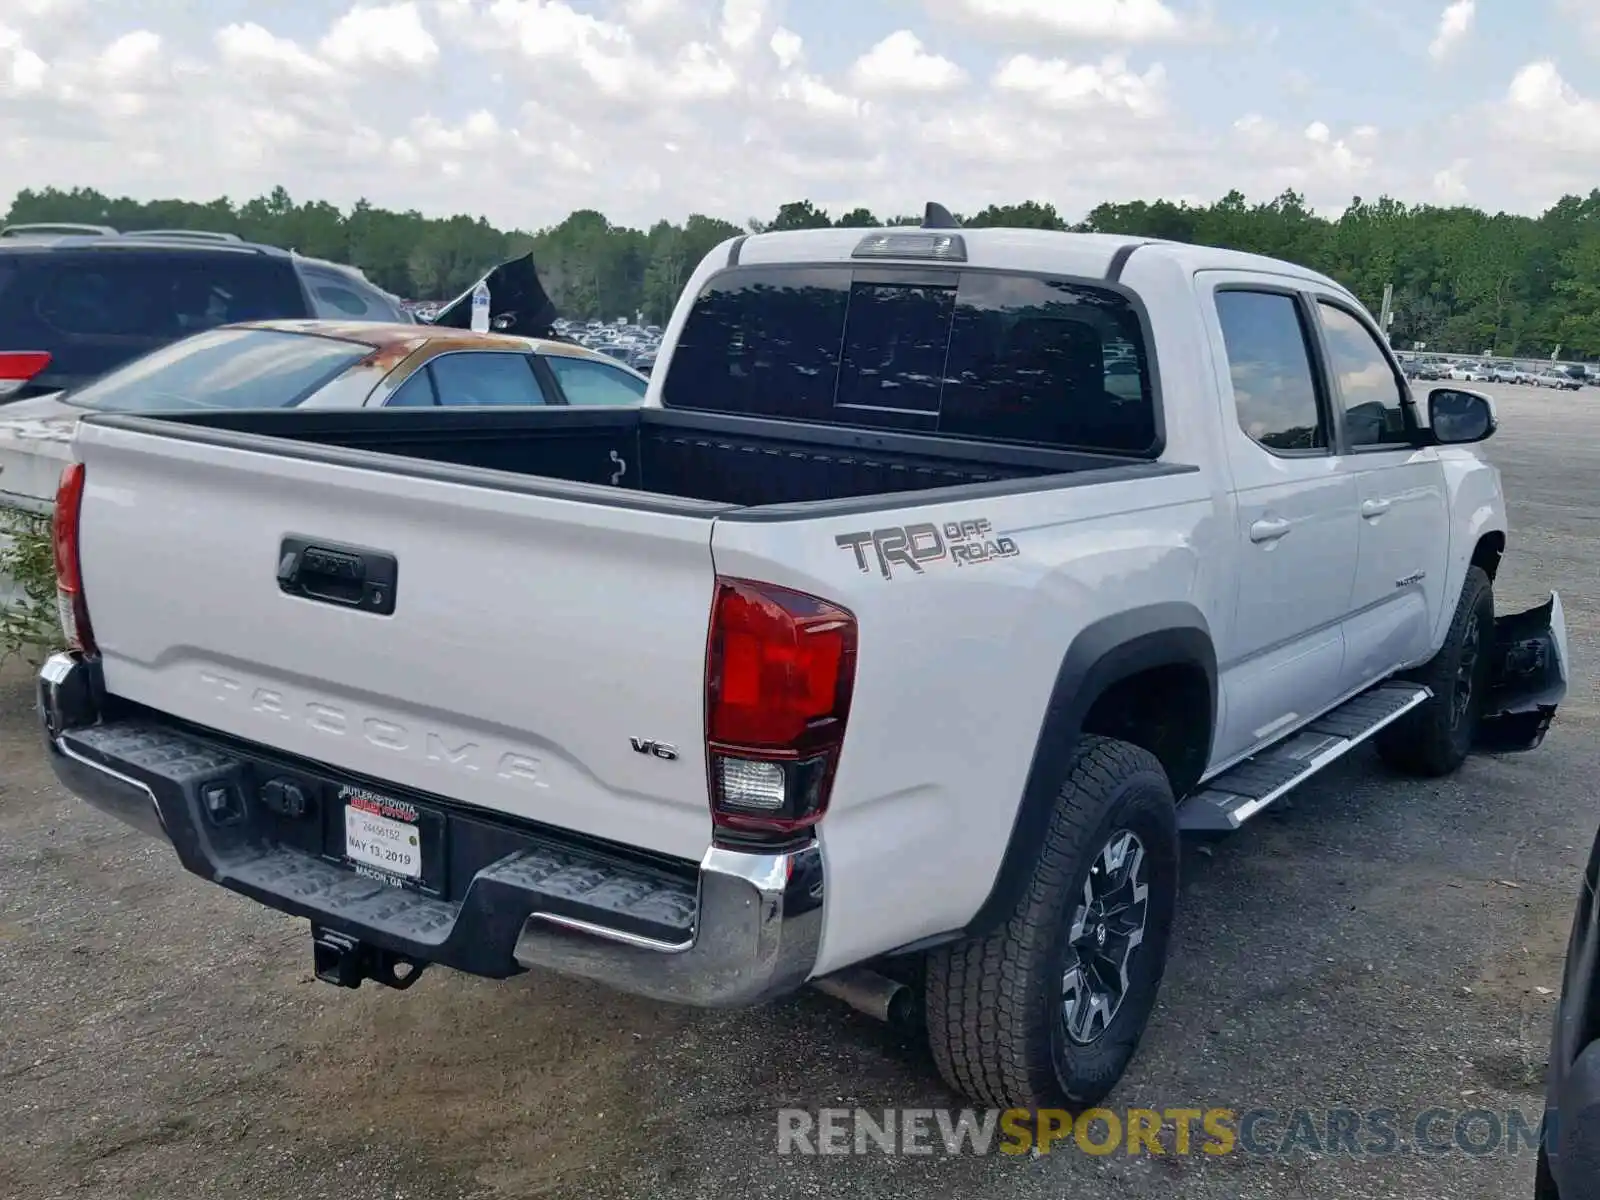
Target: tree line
1465, 281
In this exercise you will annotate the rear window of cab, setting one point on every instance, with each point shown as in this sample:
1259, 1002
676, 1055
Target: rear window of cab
973, 354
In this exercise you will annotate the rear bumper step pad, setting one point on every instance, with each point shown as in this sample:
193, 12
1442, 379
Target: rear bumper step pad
741, 928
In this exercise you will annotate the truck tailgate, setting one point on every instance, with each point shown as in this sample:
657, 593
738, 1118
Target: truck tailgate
537, 649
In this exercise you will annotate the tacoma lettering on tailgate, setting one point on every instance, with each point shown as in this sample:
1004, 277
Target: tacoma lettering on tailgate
964, 543
454, 753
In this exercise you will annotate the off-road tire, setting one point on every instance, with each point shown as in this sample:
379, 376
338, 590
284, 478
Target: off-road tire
994, 1003
1429, 740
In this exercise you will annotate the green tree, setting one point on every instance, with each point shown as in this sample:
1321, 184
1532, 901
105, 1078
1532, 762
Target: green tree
858, 218
1463, 279
799, 214
1030, 214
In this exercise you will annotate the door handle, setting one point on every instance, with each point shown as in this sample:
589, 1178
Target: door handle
1374, 508
349, 576
1269, 529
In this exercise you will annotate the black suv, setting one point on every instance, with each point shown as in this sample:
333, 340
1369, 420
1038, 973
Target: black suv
91, 298
1569, 1157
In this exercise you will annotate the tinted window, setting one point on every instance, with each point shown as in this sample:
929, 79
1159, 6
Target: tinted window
485, 378
1373, 415
334, 297
762, 344
585, 382
97, 309
227, 368
970, 354
416, 392
895, 339
1027, 363
1274, 388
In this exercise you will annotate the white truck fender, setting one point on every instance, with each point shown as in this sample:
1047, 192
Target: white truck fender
1477, 519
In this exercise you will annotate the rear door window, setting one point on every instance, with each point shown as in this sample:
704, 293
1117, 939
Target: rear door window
1271, 368
416, 392
973, 354
486, 377
335, 297
225, 368
586, 382
93, 310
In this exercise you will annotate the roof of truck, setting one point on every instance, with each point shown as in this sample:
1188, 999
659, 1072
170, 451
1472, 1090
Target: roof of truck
1085, 255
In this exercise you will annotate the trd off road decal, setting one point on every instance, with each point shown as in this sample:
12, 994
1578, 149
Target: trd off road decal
965, 543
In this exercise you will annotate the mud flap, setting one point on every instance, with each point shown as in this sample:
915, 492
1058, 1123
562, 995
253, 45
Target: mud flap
1528, 678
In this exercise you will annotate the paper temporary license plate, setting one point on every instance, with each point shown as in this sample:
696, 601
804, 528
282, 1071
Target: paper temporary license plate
382, 833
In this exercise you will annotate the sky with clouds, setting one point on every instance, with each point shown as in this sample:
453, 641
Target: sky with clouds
522, 110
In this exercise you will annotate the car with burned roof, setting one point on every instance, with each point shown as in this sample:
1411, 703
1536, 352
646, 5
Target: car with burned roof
313, 364
885, 647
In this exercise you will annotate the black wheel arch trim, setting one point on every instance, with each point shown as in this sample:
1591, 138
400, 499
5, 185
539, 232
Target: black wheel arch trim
1112, 649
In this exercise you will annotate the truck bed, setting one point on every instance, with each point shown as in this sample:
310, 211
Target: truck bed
641, 457
533, 589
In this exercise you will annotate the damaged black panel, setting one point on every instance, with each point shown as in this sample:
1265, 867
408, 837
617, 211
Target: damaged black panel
518, 303
1528, 679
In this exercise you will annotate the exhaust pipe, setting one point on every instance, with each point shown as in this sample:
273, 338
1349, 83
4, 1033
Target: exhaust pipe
878, 996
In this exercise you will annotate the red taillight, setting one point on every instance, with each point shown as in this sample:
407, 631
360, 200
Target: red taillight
17, 367
70, 604
780, 668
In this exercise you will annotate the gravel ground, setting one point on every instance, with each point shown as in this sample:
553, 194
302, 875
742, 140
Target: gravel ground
1374, 944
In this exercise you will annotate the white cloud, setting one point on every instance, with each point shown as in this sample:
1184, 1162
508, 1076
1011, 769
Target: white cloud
817, 98
250, 48
1316, 161
131, 58
787, 47
1543, 109
741, 22
22, 71
1109, 20
524, 110
900, 63
1455, 23
387, 36
1057, 84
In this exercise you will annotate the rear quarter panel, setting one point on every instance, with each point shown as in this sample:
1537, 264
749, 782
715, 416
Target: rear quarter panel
956, 665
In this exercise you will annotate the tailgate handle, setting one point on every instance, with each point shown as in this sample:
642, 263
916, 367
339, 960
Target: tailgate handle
349, 576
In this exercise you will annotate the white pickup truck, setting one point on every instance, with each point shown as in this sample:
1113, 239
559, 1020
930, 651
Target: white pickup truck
946, 576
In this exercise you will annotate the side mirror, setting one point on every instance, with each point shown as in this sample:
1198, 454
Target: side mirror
1459, 416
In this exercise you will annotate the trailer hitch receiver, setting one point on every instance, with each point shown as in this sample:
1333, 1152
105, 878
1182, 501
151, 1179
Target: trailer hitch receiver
343, 961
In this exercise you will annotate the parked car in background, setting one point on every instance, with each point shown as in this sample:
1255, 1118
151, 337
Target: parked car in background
1569, 1158
310, 364
342, 364
1468, 373
1557, 379
77, 301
